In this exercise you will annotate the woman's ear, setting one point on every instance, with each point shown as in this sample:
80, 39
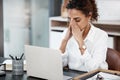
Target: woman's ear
90, 15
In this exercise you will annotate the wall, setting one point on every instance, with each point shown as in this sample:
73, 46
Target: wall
15, 30
40, 22
25, 22
54, 7
109, 9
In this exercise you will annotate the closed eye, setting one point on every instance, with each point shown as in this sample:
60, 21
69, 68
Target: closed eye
77, 19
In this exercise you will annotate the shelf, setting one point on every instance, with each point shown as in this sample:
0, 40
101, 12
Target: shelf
108, 25
114, 33
108, 22
61, 19
58, 28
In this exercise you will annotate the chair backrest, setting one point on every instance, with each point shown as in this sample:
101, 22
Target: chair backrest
113, 59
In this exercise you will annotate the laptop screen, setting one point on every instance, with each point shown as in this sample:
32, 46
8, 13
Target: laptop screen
43, 62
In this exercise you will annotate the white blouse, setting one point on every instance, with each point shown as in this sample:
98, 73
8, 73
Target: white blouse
94, 56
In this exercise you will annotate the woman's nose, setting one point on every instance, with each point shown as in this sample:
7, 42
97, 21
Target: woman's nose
71, 21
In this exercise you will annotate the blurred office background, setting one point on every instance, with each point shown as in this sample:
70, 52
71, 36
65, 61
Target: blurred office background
27, 21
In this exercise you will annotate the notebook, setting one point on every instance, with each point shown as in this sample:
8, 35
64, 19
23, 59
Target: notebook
44, 63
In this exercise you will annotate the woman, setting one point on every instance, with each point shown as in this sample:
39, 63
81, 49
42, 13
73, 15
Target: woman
84, 46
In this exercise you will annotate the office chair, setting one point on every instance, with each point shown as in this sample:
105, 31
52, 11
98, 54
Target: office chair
113, 59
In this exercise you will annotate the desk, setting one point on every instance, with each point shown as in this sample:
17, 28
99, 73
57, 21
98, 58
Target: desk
9, 75
77, 75
84, 75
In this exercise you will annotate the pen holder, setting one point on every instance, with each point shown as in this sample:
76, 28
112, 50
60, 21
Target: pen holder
17, 67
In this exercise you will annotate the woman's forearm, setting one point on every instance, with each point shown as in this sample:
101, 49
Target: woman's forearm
63, 45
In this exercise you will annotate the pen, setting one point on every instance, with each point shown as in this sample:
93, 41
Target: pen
21, 56
16, 58
11, 57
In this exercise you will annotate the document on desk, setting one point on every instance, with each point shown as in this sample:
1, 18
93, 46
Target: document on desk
104, 76
9, 64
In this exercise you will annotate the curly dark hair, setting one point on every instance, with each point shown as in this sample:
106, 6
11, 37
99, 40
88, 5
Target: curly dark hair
86, 6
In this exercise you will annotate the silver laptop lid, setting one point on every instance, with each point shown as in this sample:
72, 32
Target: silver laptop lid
43, 62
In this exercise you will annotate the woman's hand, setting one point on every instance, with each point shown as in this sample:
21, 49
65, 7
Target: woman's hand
68, 34
65, 40
77, 32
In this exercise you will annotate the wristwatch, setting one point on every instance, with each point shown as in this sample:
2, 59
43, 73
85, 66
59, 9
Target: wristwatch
83, 47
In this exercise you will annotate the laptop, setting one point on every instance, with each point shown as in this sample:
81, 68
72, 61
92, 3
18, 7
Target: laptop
44, 63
